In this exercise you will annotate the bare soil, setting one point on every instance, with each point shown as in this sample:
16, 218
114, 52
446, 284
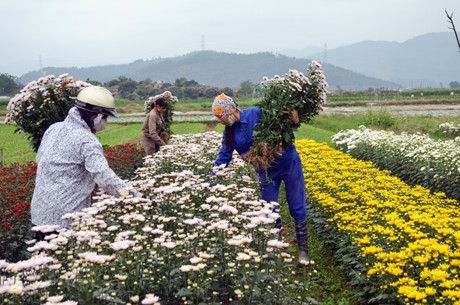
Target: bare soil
405, 109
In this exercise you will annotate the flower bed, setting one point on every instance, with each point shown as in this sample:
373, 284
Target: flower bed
400, 243
124, 159
186, 243
415, 158
17, 182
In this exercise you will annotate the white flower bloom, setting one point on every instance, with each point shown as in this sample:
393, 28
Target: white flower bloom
204, 255
243, 257
147, 229
135, 299
195, 260
55, 299
193, 221
277, 244
169, 245
37, 285
120, 277
205, 206
228, 209
122, 245
186, 268
157, 231
68, 276
150, 299
235, 242
93, 257
32, 263
45, 228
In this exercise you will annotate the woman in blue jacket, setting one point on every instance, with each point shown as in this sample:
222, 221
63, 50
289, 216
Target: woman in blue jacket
238, 135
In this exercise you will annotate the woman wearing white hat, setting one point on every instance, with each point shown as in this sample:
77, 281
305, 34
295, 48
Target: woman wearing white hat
71, 161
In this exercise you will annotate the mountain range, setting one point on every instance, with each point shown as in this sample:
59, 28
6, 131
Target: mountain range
430, 60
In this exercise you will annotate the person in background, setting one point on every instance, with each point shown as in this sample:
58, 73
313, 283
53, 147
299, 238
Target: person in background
71, 161
238, 135
152, 130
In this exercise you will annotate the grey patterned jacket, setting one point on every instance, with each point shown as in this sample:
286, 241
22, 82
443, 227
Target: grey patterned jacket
70, 161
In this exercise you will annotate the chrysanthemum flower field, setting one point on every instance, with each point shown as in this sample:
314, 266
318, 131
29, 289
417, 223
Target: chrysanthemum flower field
415, 158
192, 240
401, 243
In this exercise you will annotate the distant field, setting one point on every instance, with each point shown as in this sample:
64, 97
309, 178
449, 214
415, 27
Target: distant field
196, 117
334, 99
14, 147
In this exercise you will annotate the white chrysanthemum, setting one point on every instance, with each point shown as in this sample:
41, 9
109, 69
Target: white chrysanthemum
277, 244
228, 209
37, 285
122, 245
151, 299
169, 245
55, 299
32, 263
243, 257
193, 221
186, 268
45, 228
93, 257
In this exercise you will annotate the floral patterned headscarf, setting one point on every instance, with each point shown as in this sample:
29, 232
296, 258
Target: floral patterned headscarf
224, 105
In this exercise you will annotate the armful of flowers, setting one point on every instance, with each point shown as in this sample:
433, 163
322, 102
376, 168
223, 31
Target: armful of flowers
42, 103
283, 97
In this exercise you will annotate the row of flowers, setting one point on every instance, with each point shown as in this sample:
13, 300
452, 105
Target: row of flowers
450, 129
187, 241
401, 243
415, 158
17, 182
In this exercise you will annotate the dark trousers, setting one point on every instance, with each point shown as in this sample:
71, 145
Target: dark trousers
40, 236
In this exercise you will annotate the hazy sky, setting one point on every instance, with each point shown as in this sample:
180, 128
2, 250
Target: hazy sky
83, 33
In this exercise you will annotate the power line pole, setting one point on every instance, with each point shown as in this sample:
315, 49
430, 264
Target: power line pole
202, 42
40, 65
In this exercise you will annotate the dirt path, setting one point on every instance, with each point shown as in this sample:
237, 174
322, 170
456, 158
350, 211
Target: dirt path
429, 109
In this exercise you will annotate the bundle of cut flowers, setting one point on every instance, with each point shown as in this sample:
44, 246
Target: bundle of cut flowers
42, 103
167, 115
305, 93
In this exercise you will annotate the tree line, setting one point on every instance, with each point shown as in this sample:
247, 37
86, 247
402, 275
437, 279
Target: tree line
183, 88
124, 87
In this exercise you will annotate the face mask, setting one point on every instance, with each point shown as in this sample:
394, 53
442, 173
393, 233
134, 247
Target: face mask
231, 120
99, 122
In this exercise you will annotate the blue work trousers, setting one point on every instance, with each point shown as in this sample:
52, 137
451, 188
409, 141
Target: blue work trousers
288, 170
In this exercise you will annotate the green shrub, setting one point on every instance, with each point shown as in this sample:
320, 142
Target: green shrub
381, 119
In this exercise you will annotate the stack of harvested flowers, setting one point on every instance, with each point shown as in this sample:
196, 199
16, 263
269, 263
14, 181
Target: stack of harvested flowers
167, 116
282, 95
42, 103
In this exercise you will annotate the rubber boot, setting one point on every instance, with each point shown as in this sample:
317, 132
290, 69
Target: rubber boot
301, 231
279, 225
